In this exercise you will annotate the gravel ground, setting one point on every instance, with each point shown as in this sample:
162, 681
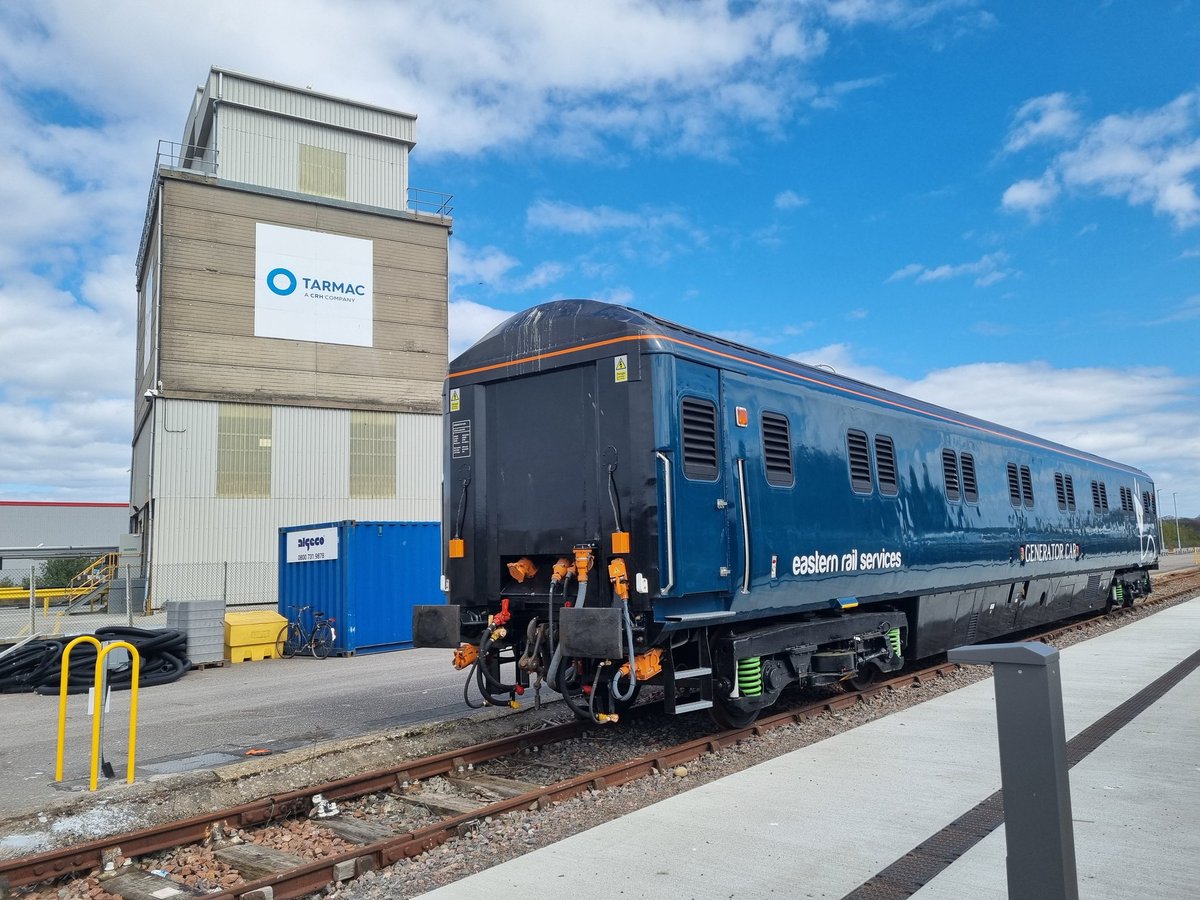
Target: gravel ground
494, 840
506, 837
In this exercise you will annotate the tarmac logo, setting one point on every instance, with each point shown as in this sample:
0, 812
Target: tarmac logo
289, 281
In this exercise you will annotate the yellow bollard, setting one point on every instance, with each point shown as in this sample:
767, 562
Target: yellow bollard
101, 652
62, 698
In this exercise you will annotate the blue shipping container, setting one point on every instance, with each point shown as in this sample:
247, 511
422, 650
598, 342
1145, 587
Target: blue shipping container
366, 575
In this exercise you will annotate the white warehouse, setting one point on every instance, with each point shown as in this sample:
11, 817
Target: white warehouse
292, 334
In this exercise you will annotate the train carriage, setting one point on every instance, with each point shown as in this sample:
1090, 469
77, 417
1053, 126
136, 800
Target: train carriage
627, 500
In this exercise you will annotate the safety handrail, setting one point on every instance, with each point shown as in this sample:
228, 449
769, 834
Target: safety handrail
99, 572
101, 652
745, 504
670, 523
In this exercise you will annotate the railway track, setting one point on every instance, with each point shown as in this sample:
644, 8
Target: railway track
474, 784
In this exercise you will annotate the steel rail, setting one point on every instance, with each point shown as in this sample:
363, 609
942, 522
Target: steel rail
312, 877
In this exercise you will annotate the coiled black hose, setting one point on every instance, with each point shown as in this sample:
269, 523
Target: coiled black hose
37, 666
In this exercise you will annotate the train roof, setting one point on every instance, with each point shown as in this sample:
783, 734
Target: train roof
570, 331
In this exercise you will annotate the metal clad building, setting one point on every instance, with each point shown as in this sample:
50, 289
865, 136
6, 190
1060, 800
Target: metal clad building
28, 524
292, 332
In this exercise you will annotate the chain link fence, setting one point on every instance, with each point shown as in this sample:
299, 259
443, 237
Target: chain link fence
240, 585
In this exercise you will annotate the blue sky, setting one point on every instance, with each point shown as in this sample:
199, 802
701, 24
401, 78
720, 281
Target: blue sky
992, 206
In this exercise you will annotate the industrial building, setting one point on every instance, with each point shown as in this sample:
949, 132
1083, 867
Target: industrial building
41, 527
292, 340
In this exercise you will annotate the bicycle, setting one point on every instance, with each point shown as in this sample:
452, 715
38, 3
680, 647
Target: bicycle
294, 638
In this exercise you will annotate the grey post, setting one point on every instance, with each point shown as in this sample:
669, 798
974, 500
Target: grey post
1033, 768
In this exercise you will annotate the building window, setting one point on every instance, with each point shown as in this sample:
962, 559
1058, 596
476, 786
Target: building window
860, 461
372, 455
322, 172
699, 422
950, 474
885, 465
970, 485
243, 450
777, 449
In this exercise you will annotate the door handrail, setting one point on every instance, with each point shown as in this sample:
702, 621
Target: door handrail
670, 521
745, 503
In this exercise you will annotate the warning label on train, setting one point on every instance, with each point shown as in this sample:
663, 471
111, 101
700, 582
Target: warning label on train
621, 369
817, 563
460, 439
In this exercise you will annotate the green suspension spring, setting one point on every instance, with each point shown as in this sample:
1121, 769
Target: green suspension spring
749, 671
1119, 591
893, 637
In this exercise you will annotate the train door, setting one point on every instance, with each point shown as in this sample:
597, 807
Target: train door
697, 543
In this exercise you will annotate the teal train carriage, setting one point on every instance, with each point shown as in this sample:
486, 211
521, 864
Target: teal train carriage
629, 501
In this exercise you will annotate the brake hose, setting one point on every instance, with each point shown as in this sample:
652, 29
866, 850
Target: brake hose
557, 658
632, 667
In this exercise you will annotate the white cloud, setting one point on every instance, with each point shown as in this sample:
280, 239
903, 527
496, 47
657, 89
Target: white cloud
831, 96
469, 321
1185, 312
988, 269
1147, 417
1031, 196
789, 199
1148, 157
1042, 120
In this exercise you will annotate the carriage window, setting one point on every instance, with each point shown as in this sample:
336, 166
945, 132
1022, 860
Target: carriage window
860, 461
699, 422
777, 449
1014, 485
950, 473
1026, 487
885, 465
970, 485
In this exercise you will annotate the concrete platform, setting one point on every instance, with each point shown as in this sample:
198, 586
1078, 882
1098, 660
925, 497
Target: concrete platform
821, 821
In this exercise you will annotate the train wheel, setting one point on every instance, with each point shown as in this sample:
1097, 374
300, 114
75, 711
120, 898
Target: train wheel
728, 717
866, 676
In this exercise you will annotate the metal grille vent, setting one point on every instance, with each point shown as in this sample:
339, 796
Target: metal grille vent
950, 473
970, 485
1026, 487
1148, 503
972, 627
1096, 496
860, 462
1126, 500
699, 418
1070, 484
1014, 485
1093, 594
1103, 496
777, 449
1060, 490
885, 465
